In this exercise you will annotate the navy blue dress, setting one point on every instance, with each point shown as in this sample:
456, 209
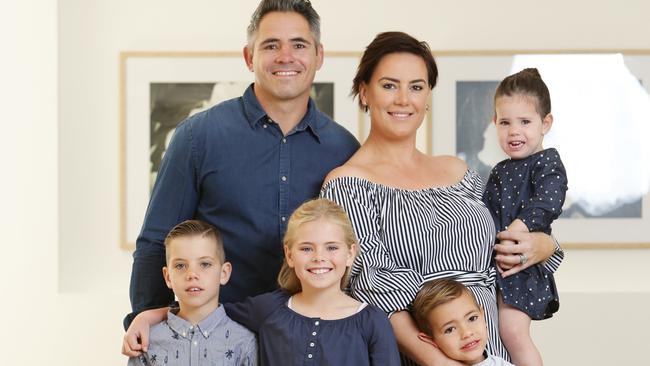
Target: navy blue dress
531, 190
287, 338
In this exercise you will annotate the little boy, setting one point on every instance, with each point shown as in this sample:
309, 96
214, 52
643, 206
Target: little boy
449, 318
198, 332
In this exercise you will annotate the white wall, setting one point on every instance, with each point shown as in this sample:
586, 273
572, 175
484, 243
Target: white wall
29, 183
68, 185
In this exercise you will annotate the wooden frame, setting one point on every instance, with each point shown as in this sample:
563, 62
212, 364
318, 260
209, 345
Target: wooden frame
457, 66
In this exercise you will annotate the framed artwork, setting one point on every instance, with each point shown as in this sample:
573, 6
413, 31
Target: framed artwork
160, 89
601, 111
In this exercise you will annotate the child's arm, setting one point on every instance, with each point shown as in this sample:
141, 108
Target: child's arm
409, 344
136, 339
549, 186
252, 311
382, 346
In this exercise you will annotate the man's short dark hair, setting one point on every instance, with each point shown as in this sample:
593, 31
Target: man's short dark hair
302, 7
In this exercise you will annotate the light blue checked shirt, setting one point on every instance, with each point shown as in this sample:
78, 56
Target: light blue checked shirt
216, 340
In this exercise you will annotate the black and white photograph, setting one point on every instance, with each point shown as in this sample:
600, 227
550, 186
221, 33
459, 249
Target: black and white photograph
171, 103
161, 89
476, 144
596, 145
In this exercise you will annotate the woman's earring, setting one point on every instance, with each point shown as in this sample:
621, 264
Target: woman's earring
365, 107
426, 107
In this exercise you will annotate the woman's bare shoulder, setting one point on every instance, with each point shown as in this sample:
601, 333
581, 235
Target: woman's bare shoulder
349, 169
449, 165
450, 161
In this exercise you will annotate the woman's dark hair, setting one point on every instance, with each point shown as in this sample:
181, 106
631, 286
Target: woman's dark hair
385, 44
526, 82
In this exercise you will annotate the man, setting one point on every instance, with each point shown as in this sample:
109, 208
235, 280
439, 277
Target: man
245, 164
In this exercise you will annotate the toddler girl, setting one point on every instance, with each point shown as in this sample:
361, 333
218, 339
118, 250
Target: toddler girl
524, 193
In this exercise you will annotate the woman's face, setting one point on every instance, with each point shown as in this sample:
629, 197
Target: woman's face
396, 95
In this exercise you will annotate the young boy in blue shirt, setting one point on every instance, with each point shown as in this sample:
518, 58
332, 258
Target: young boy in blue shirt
198, 332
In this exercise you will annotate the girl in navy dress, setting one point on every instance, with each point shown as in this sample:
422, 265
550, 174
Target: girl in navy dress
524, 193
310, 320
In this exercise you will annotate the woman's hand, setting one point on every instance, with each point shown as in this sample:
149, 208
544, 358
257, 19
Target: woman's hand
531, 248
515, 225
136, 339
504, 266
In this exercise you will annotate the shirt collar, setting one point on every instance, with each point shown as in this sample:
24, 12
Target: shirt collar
205, 327
256, 115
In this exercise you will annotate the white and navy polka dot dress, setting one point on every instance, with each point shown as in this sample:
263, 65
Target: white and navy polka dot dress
532, 190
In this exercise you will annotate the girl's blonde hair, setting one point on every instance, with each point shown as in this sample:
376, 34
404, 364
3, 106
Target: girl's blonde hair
309, 211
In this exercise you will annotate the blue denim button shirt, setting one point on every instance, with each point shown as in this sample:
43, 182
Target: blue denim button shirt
232, 166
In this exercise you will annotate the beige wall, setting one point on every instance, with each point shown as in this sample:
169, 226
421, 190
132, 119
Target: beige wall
66, 282
29, 179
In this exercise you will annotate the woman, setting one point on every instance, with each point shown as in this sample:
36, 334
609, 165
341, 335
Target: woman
417, 217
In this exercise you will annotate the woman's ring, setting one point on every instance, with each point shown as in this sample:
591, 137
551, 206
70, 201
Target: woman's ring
522, 259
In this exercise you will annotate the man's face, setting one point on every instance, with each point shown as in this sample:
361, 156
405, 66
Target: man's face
284, 56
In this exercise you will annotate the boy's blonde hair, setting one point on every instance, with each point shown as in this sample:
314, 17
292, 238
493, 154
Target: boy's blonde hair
433, 294
196, 228
307, 212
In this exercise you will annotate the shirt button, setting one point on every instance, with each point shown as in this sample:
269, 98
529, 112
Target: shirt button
284, 219
284, 141
313, 333
284, 179
311, 344
205, 334
310, 355
191, 327
264, 125
316, 322
183, 334
195, 343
